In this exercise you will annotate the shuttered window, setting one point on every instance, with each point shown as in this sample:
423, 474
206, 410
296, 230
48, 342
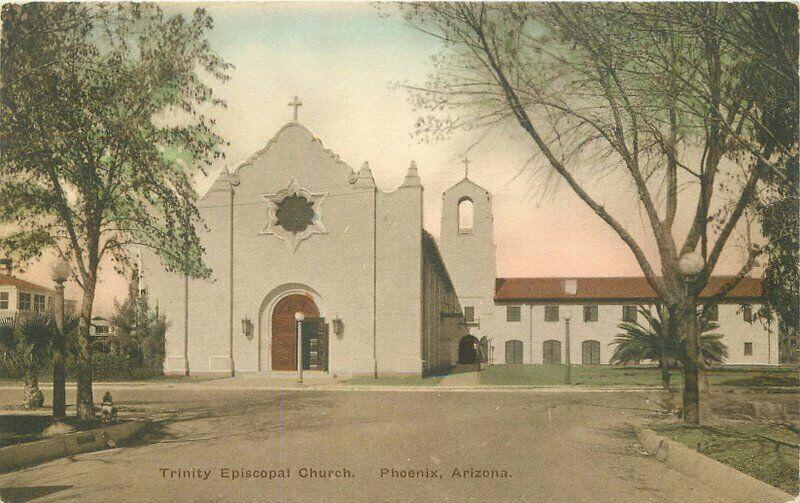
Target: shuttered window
551, 313
629, 313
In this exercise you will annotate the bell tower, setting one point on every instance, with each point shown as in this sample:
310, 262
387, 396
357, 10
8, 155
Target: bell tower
467, 245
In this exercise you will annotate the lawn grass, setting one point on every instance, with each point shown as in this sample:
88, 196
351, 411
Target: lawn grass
757, 378
582, 375
606, 375
395, 381
766, 452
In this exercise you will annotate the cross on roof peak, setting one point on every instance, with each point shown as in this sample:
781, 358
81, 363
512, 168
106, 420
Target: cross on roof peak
296, 103
466, 162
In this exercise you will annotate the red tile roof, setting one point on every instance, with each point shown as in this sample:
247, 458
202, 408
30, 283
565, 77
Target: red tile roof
6, 280
607, 289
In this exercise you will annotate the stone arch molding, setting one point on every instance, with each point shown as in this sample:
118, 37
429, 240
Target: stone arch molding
315, 226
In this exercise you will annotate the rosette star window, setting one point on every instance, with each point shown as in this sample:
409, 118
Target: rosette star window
293, 214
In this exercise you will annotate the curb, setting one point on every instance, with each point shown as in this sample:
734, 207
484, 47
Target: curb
293, 386
732, 483
17, 456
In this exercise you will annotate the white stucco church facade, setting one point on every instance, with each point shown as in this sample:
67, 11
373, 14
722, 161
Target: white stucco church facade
294, 232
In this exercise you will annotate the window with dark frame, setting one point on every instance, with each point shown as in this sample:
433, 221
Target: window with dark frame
4, 297
101, 329
747, 313
550, 313
629, 314
748, 349
590, 313
469, 313
38, 302
24, 301
513, 313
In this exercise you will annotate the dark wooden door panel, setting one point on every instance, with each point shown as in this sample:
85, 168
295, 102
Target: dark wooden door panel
284, 341
315, 344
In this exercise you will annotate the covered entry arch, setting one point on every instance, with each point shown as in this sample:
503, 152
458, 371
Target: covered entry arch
468, 351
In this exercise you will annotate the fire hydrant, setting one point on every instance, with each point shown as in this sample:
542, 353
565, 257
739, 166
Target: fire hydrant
108, 413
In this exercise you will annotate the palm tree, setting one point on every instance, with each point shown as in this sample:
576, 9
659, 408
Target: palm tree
656, 342
26, 345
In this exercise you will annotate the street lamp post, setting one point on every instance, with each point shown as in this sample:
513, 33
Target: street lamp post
299, 317
233, 181
60, 271
690, 265
567, 362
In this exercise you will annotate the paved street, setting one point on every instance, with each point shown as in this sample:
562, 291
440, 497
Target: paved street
538, 446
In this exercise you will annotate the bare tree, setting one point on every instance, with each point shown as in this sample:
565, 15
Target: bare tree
654, 91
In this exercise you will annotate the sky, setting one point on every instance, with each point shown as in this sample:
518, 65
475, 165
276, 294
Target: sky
343, 60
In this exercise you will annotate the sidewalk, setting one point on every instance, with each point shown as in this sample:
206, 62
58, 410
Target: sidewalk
465, 382
462, 376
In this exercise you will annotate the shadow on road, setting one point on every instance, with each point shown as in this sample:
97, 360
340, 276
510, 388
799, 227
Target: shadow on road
22, 494
199, 424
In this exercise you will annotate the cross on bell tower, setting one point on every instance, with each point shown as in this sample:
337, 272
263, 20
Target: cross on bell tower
466, 162
296, 103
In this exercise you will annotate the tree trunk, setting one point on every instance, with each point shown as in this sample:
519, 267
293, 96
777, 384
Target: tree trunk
33, 395
691, 389
702, 375
663, 362
84, 377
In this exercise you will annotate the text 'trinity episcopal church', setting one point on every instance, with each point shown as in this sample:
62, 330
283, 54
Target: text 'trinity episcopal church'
295, 233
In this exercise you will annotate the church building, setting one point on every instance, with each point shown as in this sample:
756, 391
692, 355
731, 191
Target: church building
300, 243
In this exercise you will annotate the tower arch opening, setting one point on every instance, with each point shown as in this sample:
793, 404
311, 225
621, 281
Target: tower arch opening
466, 209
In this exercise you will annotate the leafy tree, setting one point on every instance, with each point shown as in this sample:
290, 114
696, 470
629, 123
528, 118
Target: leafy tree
138, 333
102, 125
775, 94
656, 92
657, 343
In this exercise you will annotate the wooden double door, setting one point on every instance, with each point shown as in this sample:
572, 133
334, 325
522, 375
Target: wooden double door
551, 352
514, 352
314, 344
590, 353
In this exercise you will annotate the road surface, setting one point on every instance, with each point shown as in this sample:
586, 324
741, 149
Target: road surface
224, 444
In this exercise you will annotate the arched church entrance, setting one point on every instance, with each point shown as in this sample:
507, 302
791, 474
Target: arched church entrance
468, 350
284, 342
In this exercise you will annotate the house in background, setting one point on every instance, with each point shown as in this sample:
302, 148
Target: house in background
20, 296
102, 332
